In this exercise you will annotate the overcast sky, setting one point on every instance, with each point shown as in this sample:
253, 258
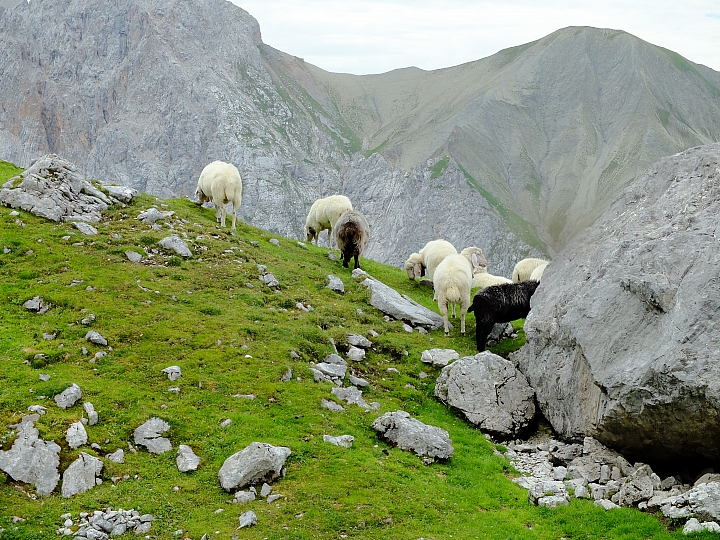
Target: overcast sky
375, 36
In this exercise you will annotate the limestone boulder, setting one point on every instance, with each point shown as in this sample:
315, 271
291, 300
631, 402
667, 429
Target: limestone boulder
256, 463
489, 392
622, 336
411, 434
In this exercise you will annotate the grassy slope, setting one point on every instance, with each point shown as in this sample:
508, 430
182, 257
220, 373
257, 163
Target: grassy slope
201, 316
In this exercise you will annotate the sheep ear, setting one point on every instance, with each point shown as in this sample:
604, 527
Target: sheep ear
475, 262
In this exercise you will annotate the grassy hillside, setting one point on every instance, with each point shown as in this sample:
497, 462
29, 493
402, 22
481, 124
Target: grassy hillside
232, 340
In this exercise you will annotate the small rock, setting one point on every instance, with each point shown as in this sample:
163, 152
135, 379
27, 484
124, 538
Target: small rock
186, 459
335, 283
173, 372
345, 441
133, 256
94, 337
85, 228
274, 241
248, 519
68, 397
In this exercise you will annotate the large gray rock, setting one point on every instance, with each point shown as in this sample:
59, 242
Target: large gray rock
149, 436
30, 459
256, 463
53, 189
401, 307
489, 391
702, 501
76, 435
620, 339
410, 434
81, 475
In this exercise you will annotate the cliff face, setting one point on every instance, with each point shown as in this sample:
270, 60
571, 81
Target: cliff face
514, 153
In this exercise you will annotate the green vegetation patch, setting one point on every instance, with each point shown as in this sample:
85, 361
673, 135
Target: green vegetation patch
232, 337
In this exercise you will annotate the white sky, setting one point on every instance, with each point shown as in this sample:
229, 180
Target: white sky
375, 36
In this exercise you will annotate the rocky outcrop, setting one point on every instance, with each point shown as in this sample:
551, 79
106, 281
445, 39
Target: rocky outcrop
53, 189
621, 339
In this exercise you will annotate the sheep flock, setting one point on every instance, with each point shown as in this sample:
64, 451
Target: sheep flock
453, 275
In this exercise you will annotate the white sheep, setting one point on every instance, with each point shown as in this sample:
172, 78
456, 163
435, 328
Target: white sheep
452, 281
352, 233
414, 266
482, 279
433, 253
220, 183
538, 272
524, 268
323, 215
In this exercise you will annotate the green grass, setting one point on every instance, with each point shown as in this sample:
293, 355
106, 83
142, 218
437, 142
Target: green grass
8, 170
439, 167
230, 339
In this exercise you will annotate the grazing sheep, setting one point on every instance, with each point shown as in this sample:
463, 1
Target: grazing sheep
538, 272
433, 253
500, 304
351, 235
452, 281
524, 268
414, 266
483, 279
323, 215
220, 183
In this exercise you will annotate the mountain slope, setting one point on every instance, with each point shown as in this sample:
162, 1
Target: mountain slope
514, 153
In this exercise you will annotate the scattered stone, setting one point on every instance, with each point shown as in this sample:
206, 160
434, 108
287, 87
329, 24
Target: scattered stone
274, 241
248, 519
118, 456
489, 391
76, 435
335, 283
37, 305
331, 405
122, 193
273, 498
411, 434
269, 280
44, 377
357, 381
345, 441
30, 459
49, 337
352, 395
439, 357
287, 376
87, 320
258, 462
318, 375
91, 412
148, 435
332, 256
85, 228
357, 340
176, 244
356, 354
81, 475
226, 422
407, 328
133, 256
68, 397
302, 245
186, 459
265, 490
39, 409
173, 372
94, 337
151, 215
244, 496
693, 525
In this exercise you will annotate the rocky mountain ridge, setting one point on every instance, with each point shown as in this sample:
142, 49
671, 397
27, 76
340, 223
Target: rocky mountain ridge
515, 153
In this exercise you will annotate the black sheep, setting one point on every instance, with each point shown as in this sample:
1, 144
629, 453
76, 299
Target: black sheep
500, 304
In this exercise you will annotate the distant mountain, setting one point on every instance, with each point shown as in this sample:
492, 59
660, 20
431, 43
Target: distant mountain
515, 153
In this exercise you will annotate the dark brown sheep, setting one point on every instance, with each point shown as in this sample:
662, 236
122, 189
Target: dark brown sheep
351, 235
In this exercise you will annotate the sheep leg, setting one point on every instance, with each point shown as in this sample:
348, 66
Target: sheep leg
482, 331
356, 254
443, 307
330, 240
